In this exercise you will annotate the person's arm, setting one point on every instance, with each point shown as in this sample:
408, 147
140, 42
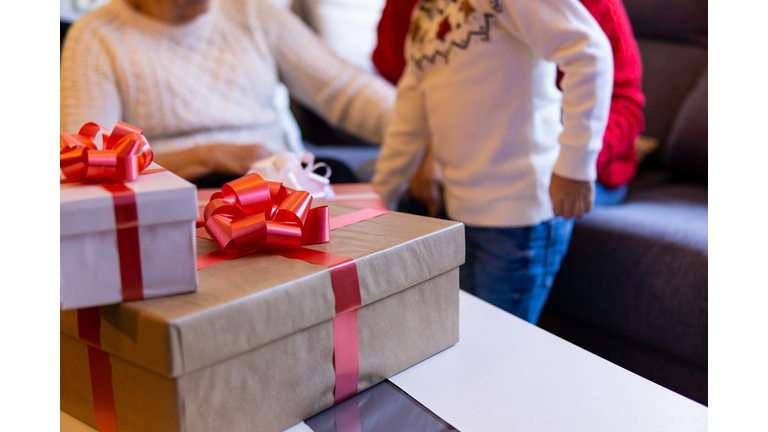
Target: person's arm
404, 143
564, 32
89, 93
617, 162
87, 87
426, 185
343, 94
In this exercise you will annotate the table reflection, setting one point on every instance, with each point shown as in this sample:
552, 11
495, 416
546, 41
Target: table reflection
382, 408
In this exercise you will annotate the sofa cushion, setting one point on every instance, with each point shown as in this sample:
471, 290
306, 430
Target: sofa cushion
678, 20
670, 72
688, 142
667, 370
640, 270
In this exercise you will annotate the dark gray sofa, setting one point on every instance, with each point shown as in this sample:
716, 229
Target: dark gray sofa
633, 287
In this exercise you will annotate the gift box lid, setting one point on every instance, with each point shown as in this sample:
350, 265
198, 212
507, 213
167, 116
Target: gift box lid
248, 302
160, 197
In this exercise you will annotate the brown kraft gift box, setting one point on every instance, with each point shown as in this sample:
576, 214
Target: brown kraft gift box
253, 348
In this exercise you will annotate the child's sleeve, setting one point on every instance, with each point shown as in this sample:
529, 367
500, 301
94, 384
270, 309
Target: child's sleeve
404, 143
564, 32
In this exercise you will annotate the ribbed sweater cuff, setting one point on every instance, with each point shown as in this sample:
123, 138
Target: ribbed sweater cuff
576, 164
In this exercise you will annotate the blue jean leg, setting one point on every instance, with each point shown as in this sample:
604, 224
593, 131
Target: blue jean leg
514, 268
609, 197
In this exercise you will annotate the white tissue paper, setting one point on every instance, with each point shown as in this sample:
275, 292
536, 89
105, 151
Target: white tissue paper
286, 168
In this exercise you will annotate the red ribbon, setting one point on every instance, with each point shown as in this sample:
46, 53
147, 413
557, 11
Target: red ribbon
355, 217
252, 214
128, 248
123, 156
89, 331
346, 291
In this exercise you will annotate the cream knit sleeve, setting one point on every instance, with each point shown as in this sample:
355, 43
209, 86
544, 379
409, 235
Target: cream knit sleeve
88, 91
564, 32
345, 95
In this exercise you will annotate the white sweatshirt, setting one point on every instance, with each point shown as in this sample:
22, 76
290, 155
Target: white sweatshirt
480, 86
211, 80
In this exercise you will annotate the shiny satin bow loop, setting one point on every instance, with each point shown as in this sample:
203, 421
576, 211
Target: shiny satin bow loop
124, 154
252, 213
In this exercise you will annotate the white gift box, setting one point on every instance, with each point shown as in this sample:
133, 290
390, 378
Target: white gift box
90, 256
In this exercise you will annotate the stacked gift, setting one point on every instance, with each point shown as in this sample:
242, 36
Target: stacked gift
127, 225
273, 337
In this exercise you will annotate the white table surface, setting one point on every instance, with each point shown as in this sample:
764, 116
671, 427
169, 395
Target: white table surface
505, 374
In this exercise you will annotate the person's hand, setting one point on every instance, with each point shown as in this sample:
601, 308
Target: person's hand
233, 158
571, 198
202, 160
426, 186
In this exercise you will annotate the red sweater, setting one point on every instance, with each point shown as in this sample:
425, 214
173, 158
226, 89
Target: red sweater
617, 162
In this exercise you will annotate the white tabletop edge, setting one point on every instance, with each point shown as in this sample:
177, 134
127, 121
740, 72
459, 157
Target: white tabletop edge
506, 374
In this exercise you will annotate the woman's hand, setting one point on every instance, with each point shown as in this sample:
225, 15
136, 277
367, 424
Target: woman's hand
235, 159
206, 159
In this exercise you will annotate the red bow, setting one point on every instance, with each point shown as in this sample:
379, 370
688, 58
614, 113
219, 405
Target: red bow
252, 213
124, 155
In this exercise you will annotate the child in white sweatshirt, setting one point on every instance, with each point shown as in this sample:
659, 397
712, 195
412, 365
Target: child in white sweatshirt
518, 156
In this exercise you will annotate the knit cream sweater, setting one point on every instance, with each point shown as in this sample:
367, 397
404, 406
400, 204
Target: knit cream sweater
211, 80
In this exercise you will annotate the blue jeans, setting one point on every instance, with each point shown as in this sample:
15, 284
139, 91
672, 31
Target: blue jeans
514, 268
609, 197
